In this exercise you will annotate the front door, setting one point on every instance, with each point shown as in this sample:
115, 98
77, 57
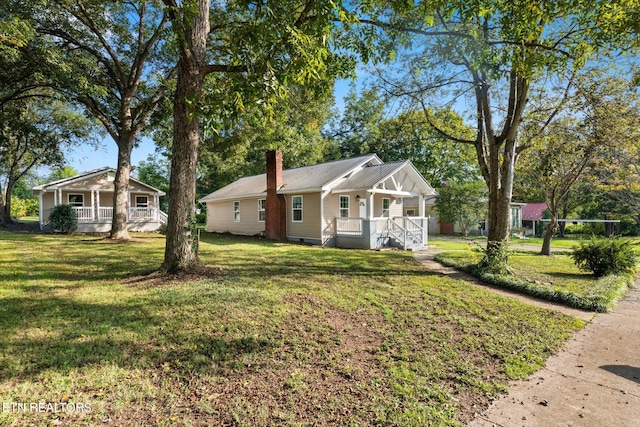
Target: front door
362, 204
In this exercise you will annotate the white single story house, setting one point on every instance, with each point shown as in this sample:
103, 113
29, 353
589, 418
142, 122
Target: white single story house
91, 195
349, 203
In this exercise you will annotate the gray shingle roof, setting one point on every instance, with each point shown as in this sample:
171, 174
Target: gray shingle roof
370, 176
302, 179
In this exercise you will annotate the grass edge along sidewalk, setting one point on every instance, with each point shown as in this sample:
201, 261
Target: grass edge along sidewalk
601, 295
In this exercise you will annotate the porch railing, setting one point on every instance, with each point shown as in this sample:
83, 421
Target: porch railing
84, 214
105, 214
142, 213
349, 226
163, 217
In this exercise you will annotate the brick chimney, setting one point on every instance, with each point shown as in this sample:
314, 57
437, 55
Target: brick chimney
275, 209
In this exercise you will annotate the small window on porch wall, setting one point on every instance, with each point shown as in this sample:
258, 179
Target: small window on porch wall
76, 200
411, 212
344, 206
296, 208
142, 202
386, 203
236, 211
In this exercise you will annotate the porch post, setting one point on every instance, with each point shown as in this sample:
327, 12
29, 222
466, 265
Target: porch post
425, 229
370, 205
98, 203
93, 206
156, 206
41, 210
60, 197
128, 204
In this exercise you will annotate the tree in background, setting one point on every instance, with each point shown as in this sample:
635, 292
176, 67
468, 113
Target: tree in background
58, 173
230, 55
464, 203
293, 126
32, 134
155, 172
599, 124
363, 128
358, 127
491, 55
112, 58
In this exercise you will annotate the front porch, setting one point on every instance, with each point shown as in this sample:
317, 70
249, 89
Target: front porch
408, 233
98, 219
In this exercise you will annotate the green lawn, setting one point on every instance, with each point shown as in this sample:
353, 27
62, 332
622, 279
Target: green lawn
555, 278
289, 335
455, 243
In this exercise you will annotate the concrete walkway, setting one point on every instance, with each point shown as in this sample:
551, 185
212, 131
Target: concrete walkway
593, 381
426, 259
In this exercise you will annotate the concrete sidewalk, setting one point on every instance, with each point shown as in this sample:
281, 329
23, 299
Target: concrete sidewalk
593, 381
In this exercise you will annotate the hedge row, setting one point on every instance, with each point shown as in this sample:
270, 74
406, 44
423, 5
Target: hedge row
602, 297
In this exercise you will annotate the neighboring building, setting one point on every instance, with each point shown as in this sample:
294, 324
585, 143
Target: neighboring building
351, 203
532, 214
437, 227
91, 195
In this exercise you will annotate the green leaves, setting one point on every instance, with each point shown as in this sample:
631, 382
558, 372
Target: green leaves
463, 203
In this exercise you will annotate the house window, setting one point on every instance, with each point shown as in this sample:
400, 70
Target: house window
261, 210
296, 208
236, 211
76, 199
142, 202
385, 206
411, 212
344, 206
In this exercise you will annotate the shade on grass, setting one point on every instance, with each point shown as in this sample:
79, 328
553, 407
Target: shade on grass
288, 335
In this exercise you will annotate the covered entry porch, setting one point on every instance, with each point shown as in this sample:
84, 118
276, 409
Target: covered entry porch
380, 221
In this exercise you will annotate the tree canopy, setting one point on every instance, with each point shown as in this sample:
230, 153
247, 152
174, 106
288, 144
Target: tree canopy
491, 56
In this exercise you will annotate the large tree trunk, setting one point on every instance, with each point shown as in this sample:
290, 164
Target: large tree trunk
548, 234
119, 226
5, 205
180, 249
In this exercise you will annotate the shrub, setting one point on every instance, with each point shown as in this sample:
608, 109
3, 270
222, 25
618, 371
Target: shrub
64, 219
603, 257
24, 207
201, 218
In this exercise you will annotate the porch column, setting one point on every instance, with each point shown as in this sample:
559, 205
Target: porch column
421, 206
41, 213
60, 197
98, 203
128, 204
93, 206
425, 228
156, 206
370, 205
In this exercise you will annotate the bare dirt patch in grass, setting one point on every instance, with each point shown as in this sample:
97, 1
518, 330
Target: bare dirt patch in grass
159, 278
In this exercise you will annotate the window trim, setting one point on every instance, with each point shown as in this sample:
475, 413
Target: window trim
340, 208
388, 208
146, 205
293, 209
413, 212
75, 203
236, 211
262, 209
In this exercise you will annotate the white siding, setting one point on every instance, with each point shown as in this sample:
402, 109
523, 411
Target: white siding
309, 228
220, 217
